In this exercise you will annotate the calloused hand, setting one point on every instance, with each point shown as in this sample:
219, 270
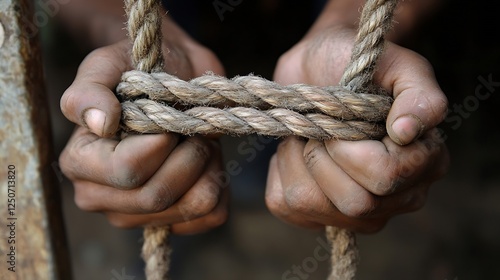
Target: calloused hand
142, 179
359, 185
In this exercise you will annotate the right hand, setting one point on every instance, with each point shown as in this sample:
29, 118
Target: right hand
143, 179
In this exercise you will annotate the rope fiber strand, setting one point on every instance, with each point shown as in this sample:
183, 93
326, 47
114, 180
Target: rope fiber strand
355, 110
144, 28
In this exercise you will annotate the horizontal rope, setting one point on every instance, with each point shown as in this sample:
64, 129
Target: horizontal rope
147, 116
255, 92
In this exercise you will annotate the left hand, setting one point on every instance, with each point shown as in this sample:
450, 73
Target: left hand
359, 185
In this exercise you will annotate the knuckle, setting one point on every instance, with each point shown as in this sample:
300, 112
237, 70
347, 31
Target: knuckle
128, 173
274, 202
67, 102
389, 184
64, 163
312, 154
217, 218
82, 201
201, 206
441, 107
299, 199
389, 176
359, 206
200, 147
154, 199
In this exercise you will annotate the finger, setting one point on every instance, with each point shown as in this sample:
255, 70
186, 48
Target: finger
198, 201
276, 202
383, 167
211, 219
124, 164
90, 101
308, 206
419, 103
215, 219
345, 193
414, 197
175, 177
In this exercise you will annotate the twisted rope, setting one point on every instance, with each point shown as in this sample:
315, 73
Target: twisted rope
375, 22
144, 27
156, 251
148, 116
255, 92
264, 107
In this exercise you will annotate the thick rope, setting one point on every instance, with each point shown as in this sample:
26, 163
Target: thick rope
255, 92
305, 111
375, 22
148, 116
156, 252
344, 252
144, 27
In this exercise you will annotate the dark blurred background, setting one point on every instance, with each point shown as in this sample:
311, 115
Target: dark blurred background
455, 236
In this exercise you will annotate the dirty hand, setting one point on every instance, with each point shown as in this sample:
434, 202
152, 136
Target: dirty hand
143, 179
359, 185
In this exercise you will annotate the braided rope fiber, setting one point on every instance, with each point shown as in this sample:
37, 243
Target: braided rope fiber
250, 104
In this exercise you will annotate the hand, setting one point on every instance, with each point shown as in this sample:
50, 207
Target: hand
359, 185
142, 179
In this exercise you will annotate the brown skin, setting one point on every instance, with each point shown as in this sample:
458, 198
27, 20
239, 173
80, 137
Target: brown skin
142, 179
358, 185
159, 180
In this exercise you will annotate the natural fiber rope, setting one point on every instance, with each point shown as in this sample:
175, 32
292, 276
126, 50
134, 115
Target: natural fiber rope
255, 92
312, 112
156, 252
144, 27
375, 22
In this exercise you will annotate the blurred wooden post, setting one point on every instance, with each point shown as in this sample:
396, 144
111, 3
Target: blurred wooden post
32, 230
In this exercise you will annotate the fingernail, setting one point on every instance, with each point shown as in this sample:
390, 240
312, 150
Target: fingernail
406, 128
95, 120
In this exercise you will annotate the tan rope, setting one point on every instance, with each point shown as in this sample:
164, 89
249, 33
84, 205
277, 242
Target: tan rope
255, 92
156, 252
375, 22
147, 116
264, 107
345, 253
144, 26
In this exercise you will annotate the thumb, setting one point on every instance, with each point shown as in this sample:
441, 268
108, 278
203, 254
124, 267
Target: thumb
90, 101
419, 103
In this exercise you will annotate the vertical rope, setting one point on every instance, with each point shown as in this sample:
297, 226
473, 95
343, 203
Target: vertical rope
156, 252
375, 22
144, 27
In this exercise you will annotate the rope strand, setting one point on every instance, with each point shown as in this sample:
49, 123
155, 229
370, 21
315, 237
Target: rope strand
349, 112
255, 92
